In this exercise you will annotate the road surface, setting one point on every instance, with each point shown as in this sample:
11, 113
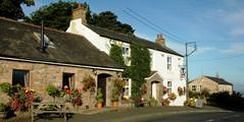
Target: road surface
200, 117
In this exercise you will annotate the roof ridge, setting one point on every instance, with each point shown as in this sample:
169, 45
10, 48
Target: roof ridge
110, 30
38, 26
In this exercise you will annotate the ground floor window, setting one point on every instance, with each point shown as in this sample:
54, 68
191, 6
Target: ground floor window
169, 86
193, 88
127, 88
20, 77
68, 81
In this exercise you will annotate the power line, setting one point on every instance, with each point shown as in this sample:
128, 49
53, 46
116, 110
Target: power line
149, 25
153, 24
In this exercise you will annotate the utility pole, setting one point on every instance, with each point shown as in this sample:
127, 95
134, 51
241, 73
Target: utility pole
188, 44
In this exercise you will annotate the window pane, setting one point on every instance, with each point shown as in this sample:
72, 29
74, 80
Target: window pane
20, 77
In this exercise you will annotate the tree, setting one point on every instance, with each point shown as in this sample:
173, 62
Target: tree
56, 15
110, 21
116, 54
12, 8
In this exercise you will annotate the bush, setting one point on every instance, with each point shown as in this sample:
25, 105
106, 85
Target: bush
115, 94
225, 100
53, 91
152, 102
190, 102
6, 88
99, 96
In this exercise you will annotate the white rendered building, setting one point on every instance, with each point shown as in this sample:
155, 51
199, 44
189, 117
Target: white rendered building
166, 65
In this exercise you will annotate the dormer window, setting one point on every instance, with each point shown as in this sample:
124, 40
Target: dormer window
48, 42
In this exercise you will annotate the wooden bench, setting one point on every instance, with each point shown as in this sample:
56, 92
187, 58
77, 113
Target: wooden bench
42, 108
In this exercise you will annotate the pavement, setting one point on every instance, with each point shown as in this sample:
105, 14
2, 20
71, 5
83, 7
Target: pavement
158, 114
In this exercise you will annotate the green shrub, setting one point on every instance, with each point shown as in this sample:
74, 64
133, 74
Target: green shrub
152, 102
115, 94
190, 102
99, 96
225, 100
53, 91
5, 87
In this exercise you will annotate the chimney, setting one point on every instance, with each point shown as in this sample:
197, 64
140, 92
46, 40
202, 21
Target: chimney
43, 46
80, 13
160, 40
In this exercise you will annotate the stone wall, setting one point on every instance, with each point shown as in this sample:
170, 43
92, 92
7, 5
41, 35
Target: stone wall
41, 75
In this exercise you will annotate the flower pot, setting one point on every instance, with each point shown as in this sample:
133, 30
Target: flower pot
115, 104
99, 105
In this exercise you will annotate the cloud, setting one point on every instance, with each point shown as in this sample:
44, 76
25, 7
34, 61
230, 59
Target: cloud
202, 50
237, 31
236, 21
235, 48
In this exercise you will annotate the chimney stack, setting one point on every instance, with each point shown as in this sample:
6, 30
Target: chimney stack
80, 13
160, 40
43, 46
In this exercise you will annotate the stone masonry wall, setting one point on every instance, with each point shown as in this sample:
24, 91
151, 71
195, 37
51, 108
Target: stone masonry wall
40, 75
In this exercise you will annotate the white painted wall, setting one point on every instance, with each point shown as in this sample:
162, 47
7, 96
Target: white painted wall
159, 59
159, 63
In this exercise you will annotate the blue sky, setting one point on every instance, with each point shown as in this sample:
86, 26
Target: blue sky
216, 25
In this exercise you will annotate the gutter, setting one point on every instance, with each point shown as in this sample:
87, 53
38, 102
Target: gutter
62, 64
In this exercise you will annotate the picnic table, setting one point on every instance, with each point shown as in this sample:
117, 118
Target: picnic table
49, 108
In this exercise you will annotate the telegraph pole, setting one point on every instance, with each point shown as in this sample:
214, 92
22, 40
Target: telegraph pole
188, 44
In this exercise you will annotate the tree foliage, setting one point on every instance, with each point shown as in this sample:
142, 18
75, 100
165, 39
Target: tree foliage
12, 8
109, 20
56, 15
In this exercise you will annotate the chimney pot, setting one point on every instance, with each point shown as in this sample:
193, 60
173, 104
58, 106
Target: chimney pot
160, 40
80, 13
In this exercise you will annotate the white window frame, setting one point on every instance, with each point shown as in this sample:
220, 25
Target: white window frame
169, 86
169, 63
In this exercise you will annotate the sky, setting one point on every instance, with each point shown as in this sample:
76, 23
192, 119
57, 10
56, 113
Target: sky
217, 26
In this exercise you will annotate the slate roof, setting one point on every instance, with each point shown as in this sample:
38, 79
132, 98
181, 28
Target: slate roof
18, 41
218, 80
131, 39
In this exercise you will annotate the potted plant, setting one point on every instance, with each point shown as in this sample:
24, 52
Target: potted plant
117, 90
115, 97
53, 91
99, 98
172, 96
165, 102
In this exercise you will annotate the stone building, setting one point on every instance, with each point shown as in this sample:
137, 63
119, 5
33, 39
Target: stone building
65, 59
211, 84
